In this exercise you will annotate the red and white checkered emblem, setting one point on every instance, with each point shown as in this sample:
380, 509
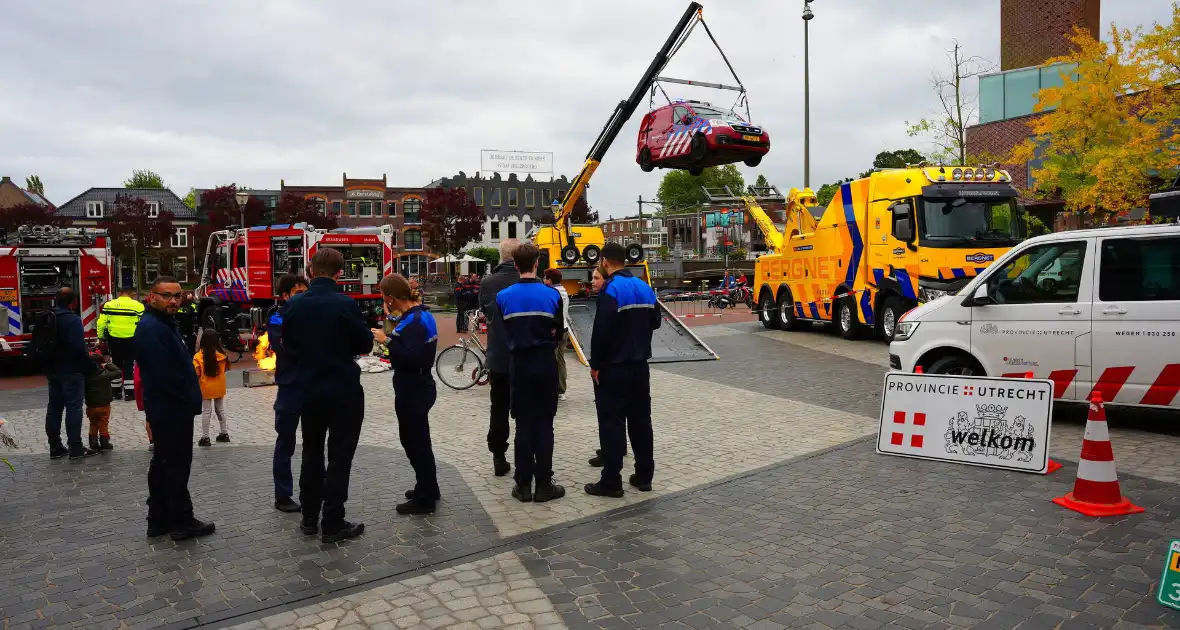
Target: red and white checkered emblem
897, 438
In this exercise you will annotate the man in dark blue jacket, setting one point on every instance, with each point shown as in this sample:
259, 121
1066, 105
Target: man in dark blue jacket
324, 331
500, 388
171, 400
532, 320
66, 370
620, 346
289, 398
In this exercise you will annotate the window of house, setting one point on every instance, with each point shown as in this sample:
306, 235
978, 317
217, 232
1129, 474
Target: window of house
336, 208
495, 197
495, 229
180, 267
320, 206
1139, 270
410, 210
180, 237
364, 208
393, 208
352, 208
530, 197
546, 197
560, 195
153, 209
413, 240
479, 195
93, 209
394, 243
513, 197
151, 271
512, 229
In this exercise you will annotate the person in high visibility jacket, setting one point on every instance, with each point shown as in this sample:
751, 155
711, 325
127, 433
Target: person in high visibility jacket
116, 325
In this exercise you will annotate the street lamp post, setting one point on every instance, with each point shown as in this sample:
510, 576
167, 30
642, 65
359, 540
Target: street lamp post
807, 15
242, 198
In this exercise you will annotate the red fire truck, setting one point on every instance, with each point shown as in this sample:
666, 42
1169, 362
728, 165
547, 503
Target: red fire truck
38, 260
242, 267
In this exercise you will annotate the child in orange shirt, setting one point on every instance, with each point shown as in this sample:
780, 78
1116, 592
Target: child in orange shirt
211, 363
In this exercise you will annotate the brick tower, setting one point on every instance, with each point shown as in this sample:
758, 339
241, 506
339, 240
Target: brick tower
1034, 31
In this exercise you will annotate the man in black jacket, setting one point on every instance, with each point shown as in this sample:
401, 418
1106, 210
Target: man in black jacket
324, 331
289, 399
171, 400
66, 370
503, 276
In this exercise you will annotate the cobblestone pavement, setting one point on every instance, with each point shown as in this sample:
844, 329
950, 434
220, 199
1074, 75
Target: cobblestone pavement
81, 556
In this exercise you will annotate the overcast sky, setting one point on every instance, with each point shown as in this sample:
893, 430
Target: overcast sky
208, 92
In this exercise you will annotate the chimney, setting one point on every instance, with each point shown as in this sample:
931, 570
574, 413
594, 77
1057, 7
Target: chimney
1034, 31
5, 180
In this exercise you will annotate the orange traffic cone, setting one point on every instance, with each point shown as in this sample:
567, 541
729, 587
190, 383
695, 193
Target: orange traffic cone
1096, 491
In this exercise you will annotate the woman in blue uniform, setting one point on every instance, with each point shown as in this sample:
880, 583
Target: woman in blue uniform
411, 347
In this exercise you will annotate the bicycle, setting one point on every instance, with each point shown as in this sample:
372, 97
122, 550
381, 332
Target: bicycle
464, 365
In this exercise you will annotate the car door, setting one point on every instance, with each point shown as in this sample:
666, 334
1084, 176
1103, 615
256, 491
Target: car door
676, 137
1137, 320
1028, 329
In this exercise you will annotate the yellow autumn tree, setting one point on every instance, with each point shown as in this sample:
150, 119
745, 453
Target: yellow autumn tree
1110, 135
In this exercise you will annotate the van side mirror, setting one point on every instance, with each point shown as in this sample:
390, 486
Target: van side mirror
981, 296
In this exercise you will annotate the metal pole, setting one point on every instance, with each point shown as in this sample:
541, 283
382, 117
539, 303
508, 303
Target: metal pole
135, 264
641, 243
807, 15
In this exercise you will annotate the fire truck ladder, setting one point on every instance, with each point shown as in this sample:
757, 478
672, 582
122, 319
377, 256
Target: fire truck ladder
754, 195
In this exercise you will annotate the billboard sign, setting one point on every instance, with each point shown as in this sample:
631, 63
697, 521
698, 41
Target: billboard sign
521, 162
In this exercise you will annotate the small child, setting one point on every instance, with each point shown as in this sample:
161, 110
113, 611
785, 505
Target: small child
98, 396
211, 363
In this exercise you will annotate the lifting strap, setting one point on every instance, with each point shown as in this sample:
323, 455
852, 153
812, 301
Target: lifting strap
740, 88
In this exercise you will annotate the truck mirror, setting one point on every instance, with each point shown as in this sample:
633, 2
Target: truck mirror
981, 296
903, 228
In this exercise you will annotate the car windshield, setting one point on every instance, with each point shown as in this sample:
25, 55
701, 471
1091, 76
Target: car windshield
709, 112
959, 222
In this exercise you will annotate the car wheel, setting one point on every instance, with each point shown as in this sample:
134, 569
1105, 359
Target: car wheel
570, 254
847, 319
591, 254
634, 253
754, 161
785, 312
956, 364
767, 311
891, 312
696, 171
698, 148
645, 160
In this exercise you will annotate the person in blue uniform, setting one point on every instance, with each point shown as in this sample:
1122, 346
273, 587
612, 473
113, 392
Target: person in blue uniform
411, 346
289, 398
324, 331
532, 319
620, 346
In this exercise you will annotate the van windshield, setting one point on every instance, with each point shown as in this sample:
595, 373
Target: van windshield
972, 223
709, 112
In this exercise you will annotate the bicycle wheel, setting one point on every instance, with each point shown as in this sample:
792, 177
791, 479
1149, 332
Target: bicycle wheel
458, 367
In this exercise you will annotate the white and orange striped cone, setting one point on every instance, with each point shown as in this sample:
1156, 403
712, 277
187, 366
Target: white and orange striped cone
1096, 491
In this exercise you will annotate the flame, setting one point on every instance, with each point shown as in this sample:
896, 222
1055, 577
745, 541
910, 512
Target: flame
264, 355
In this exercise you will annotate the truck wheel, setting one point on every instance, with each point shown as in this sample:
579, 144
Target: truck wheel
754, 161
696, 171
958, 365
767, 311
698, 148
645, 164
786, 312
570, 254
591, 254
847, 319
891, 311
634, 253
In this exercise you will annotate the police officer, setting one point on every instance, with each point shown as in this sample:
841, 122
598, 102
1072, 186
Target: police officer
411, 348
324, 331
186, 320
532, 318
289, 398
116, 324
500, 389
620, 346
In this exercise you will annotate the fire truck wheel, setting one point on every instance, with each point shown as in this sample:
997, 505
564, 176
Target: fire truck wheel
634, 253
767, 311
591, 254
891, 311
846, 318
570, 254
786, 312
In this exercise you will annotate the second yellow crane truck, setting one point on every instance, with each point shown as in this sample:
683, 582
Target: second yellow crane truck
884, 244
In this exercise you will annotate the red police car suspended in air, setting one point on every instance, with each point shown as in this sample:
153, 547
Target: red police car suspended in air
692, 135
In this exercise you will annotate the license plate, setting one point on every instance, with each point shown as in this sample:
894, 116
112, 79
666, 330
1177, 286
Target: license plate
752, 138
8, 295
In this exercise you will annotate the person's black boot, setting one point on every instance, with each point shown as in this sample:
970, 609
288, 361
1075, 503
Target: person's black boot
193, 529
524, 494
641, 486
343, 531
158, 529
223, 438
104, 443
57, 450
548, 492
598, 490
204, 442
287, 504
78, 451
500, 465
94, 443
416, 506
309, 527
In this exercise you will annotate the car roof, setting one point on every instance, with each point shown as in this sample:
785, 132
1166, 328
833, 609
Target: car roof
1161, 229
685, 103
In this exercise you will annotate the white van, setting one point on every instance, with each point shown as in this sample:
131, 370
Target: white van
1088, 309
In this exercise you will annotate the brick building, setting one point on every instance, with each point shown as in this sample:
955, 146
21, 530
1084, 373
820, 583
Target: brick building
512, 206
370, 202
1031, 33
12, 195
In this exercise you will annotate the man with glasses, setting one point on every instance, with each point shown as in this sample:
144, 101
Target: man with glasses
171, 400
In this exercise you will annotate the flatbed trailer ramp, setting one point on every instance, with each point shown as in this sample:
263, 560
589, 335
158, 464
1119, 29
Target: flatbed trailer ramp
673, 342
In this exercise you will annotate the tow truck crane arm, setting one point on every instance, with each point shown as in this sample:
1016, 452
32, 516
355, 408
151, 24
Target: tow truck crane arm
753, 195
619, 117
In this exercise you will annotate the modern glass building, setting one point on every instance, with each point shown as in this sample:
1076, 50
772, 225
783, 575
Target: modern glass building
1013, 93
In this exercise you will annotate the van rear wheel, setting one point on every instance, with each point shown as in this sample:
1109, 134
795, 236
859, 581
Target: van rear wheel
957, 365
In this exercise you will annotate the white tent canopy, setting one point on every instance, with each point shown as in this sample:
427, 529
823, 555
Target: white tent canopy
465, 263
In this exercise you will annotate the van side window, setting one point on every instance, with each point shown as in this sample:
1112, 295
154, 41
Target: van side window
1140, 270
1043, 274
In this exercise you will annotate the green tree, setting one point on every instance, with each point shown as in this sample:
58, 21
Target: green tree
490, 255
761, 182
143, 178
681, 192
33, 184
947, 130
899, 158
824, 195
190, 199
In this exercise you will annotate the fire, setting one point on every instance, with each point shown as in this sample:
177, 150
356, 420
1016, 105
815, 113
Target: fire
264, 355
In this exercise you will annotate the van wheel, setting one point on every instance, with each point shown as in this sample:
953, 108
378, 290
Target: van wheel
786, 312
645, 161
767, 311
891, 312
847, 320
570, 254
754, 161
698, 148
958, 365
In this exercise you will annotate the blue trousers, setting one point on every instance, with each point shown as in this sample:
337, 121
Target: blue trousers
65, 394
413, 396
286, 425
534, 372
622, 398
